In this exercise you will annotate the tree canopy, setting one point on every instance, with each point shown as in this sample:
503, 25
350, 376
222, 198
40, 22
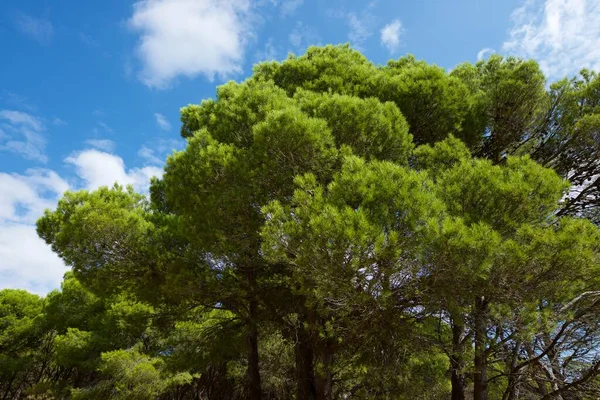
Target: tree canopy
336, 229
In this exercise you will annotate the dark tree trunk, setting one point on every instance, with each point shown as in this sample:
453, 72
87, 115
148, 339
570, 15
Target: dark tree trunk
9, 386
458, 384
305, 375
512, 389
253, 386
457, 378
325, 380
253, 372
480, 391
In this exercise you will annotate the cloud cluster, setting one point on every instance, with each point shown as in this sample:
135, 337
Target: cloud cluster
190, 38
97, 168
27, 262
390, 35
562, 35
23, 134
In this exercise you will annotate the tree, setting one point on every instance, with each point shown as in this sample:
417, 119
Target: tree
493, 247
499, 215
23, 342
568, 139
354, 219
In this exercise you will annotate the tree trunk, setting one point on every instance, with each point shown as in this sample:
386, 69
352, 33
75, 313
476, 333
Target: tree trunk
512, 389
8, 387
305, 376
325, 379
480, 376
253, 387
457, 378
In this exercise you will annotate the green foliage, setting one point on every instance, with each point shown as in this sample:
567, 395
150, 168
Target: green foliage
441, 156
434, 103
86, 230
209, 340
372, 129
335, 229
132, 376
22, 340
19, 317
503, 197
74, 348
328, 69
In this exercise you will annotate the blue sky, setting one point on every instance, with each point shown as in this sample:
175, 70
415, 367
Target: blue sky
90, 90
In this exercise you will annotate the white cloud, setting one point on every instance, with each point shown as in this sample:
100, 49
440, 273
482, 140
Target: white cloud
23, 198
39, 29
303, 36
162, 122
22, 133
101, 144
98, 168
390, 35
483, 53
562, 35
27, 262
189, 38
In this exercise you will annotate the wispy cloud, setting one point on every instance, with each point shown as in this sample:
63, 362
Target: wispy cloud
87, 40
149, 156
156, 152
102, 144
390, 35
17, 101
162, 122
101, 128
360, 28
483, 53
38, 29
303, 36
58, 122
289, 7
562, 35
23, 134
190, 38
268, 53
361, 23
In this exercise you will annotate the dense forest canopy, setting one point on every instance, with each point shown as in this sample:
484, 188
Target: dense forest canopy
336, 229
